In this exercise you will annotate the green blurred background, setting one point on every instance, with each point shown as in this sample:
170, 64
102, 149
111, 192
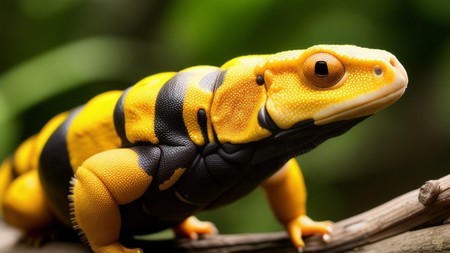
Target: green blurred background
56, 54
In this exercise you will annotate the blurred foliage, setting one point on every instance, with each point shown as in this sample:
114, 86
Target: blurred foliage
56, 54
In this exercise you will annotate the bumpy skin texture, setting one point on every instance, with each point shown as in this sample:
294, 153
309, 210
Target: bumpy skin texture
150, 157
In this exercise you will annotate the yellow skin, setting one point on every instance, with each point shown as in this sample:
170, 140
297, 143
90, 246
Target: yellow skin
128, 151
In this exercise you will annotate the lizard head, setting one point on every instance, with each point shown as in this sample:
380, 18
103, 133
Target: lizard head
323, 90
330, 83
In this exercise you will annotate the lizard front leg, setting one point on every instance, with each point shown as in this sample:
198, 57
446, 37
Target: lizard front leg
287, 196
103, 182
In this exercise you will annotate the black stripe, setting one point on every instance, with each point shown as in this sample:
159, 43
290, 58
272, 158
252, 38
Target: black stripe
149, 157
13, 167
208, 82
220, 79
203, 124
55, 171
169, 123
119, 120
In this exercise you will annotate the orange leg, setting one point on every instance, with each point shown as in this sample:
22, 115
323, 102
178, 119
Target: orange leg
287, 195
104, 182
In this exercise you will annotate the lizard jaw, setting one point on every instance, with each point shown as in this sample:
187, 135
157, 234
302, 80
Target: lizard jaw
361, 106
366, 104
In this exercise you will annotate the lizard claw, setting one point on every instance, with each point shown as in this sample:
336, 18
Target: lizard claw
115, 247
303, 225
193, 228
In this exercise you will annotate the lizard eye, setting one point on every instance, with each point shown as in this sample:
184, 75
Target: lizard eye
323, 70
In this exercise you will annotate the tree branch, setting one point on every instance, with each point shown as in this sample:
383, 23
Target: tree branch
419, 209
418, 221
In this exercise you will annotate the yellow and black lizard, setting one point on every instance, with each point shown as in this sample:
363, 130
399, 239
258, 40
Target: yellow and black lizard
150, 157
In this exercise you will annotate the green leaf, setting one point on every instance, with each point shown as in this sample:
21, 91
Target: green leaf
61, 69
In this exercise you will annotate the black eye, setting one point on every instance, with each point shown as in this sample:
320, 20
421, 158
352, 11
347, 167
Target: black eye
260, 79
321, 69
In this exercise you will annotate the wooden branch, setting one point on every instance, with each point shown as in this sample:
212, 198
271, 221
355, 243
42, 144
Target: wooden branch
394, 217
433, 239
418, 221
422, 208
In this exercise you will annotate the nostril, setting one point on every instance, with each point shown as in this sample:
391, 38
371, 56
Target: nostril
378, 70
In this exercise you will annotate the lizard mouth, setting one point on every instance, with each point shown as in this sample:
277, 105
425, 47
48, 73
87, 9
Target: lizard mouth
336, 117
367, 104
359, 107
304, 129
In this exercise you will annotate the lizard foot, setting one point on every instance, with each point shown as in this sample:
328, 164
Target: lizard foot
303, 225
115, 248
192, 228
